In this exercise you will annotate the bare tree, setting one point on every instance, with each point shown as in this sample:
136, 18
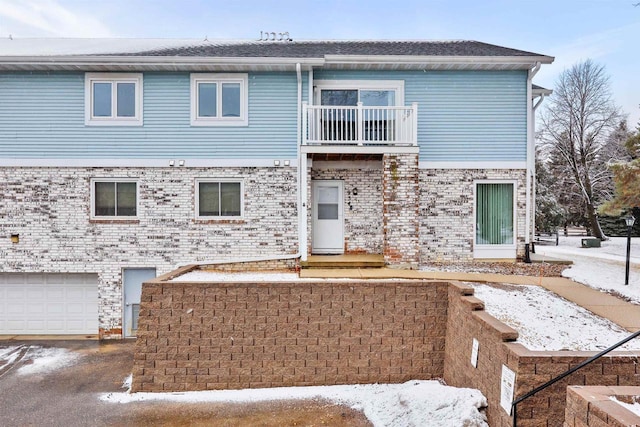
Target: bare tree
576, 126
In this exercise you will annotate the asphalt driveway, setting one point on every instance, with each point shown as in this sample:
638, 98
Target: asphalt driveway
58, 383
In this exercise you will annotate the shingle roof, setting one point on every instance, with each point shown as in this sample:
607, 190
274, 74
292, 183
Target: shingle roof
319, 49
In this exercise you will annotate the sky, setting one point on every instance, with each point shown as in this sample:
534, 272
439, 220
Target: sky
606, 31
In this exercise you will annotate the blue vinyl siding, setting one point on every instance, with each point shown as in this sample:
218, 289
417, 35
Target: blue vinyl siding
42, 115
462, 115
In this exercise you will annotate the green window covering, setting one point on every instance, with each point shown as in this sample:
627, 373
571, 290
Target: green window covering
494, 214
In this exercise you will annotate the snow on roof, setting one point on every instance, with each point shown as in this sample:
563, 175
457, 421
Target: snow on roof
69, 46
254, 48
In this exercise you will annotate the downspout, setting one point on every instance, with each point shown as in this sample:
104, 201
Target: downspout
534, 172
530, 163
300, 201
302, 171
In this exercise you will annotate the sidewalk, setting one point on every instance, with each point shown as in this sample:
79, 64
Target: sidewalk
615, 309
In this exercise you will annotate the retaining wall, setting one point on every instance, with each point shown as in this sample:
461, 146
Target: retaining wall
205, 336
593, 407
468, 320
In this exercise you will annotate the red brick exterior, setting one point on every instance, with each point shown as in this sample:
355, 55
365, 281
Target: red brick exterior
204, 336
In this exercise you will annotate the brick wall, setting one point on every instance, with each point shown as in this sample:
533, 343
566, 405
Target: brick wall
49, 208
447, 208
400, 210
467, 320
593, 407
362, 202
197, 336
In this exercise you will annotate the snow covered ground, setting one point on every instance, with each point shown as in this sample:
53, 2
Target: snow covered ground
600, 268
547, 322
633, 407
412, 404
35, 359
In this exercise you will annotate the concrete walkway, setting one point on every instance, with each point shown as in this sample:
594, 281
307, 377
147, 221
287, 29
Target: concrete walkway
615, 309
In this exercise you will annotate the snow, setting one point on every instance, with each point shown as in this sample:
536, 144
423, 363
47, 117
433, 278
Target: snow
547, 322
600, 268
414, 403
45, 360
87, 46
255, 276
219, 276
633, 407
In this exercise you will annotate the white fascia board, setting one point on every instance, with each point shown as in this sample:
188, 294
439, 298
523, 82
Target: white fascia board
473, 165
146, 62
142, 163
357, 149
453, 60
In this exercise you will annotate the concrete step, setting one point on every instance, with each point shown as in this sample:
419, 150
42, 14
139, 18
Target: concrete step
343, 261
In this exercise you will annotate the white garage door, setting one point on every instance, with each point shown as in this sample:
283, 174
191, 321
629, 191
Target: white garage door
48, 304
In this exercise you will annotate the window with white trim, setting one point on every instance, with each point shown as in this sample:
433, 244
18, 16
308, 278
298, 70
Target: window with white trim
113, 99
495, 215
114, 198
219, 199
219, 99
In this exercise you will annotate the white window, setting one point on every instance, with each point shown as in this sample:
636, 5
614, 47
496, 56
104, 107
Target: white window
219, 199
219, 100
113, 99
371, 93
114, 198
495, 217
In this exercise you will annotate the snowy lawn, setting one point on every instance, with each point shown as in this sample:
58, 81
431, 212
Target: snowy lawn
414, 403
548, 322
221, 276
600, 268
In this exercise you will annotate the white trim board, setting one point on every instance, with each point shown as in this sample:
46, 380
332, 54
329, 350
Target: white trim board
473, 165
135, 163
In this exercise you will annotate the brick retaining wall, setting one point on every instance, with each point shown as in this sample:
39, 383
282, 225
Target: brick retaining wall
197, 336
593, 407
467, 320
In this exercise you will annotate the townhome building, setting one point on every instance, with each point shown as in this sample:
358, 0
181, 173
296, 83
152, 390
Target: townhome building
122, 159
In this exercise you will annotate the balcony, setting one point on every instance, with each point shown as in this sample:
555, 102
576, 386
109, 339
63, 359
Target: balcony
359, 126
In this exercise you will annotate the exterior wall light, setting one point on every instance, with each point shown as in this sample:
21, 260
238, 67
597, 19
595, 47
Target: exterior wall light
180, 163
172, 163
276, 163
287, 162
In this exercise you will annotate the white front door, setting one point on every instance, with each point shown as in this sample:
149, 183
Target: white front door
328, 217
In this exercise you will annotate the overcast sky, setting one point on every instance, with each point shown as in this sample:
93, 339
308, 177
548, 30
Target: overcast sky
607, 31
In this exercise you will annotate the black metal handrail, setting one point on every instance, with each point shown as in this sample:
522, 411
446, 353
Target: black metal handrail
565, 374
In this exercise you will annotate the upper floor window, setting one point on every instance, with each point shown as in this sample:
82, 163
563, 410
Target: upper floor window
113, 99
114, 198
219, 100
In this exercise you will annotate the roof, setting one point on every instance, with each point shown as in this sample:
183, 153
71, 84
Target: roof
210, 55
539, 90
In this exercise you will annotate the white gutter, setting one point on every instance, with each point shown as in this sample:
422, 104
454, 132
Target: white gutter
530, 161
407, 59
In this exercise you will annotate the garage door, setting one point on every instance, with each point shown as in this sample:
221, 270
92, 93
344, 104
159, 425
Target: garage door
48, 304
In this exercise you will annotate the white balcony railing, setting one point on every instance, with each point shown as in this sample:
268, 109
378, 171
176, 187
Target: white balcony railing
336, 125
